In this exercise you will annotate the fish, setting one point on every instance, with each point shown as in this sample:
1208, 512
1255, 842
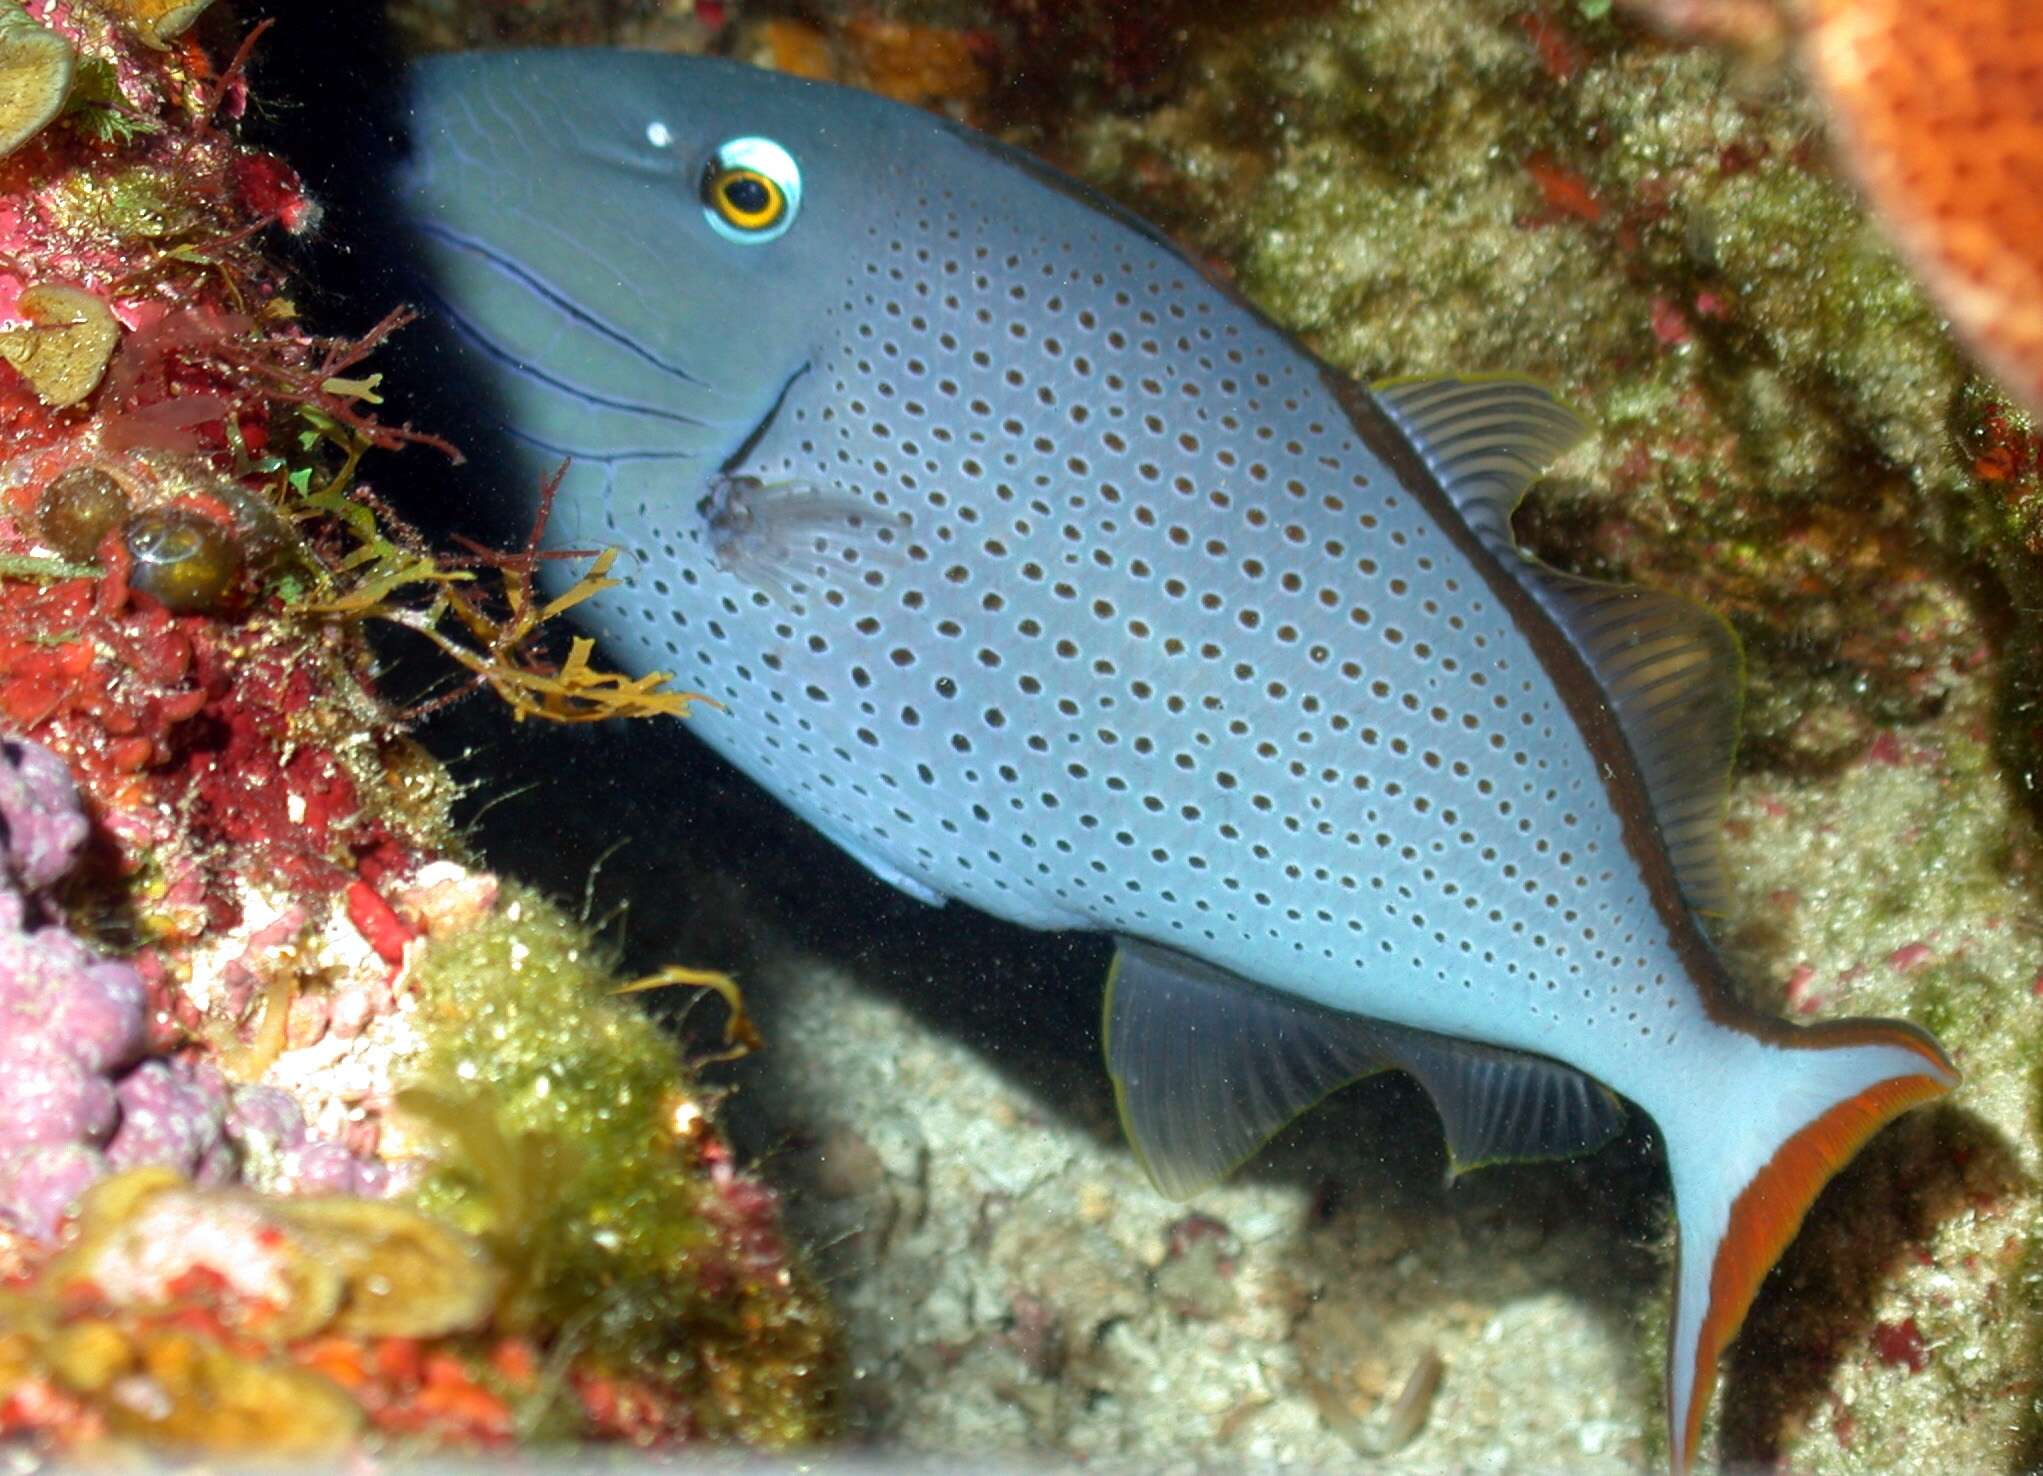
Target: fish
1041, 573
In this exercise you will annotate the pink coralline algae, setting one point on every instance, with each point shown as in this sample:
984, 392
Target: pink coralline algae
38, 804
70, 1018
172, 1119
77, 1099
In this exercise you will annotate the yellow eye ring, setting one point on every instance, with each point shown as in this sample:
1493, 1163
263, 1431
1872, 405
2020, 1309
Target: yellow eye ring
751, 189
745, 198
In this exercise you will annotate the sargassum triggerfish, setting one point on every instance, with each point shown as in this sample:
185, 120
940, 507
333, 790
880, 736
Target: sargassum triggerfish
1040, 573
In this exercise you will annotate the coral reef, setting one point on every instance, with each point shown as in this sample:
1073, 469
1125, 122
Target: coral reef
246, 1094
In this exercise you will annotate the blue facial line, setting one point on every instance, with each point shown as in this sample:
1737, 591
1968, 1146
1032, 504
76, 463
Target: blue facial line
553, 297
609, 458
471, 332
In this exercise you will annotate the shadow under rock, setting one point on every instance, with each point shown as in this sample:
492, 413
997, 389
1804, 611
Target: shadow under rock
1820, 1301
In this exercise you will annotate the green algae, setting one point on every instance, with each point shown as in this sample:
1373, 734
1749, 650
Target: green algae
577, 1156
133, 201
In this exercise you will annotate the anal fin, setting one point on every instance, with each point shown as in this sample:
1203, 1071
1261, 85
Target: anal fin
1208, 1066
1500, 1106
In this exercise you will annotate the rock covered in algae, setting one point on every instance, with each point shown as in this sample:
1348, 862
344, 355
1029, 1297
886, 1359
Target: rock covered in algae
1947, 151
595, 1174
241, 952
296, 1267
185, 1319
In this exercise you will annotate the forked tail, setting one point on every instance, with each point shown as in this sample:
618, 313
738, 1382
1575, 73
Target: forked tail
1748, 1158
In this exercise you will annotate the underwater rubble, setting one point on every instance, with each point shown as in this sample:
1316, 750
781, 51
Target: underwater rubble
316, 1138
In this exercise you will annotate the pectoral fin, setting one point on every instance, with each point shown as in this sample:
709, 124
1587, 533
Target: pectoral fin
1208, 1066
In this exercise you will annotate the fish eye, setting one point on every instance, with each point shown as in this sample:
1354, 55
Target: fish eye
751, 190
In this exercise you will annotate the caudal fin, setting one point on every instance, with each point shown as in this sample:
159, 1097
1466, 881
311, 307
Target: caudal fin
1747, 1164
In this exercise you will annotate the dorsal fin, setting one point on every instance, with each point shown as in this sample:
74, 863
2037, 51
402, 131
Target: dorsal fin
1207, 1066
1671, 669
1674, 673
1484, 438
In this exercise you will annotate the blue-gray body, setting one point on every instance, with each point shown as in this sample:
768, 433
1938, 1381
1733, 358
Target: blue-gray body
1043, 575
1162, 648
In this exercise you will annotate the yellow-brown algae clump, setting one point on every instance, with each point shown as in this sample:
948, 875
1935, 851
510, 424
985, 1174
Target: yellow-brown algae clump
36, 68
351, 1266
63, 349
164, 1388
192, 1394
159, 21
397, 1273
178, 1318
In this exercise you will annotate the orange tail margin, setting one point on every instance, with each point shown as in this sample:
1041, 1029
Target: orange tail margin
1844, 1081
